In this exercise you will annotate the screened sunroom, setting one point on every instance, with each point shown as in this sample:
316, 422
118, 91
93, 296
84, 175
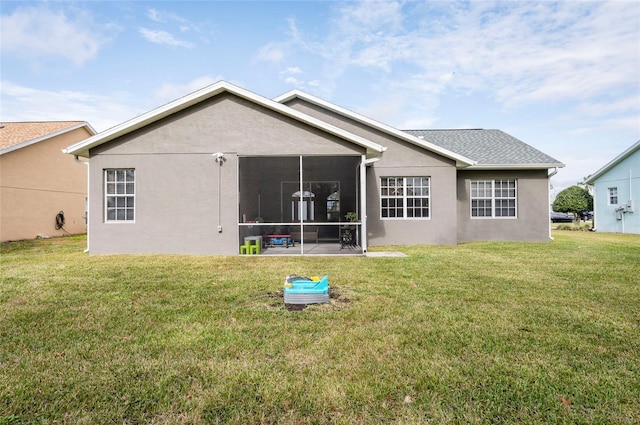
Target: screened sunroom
301, 205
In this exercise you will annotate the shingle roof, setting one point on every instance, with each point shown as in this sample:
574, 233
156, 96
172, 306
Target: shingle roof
488, 147
14, 133
461, 160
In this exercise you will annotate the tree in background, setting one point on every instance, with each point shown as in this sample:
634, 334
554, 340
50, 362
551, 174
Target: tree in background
575, 200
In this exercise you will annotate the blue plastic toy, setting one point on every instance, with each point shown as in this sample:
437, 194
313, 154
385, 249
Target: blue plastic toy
304, 290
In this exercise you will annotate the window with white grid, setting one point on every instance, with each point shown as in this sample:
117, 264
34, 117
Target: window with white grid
405, 197
120, 190
493, 198
613, 196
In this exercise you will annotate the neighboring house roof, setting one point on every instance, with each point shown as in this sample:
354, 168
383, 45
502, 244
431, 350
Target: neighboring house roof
492, 149
593, 177
461, 159
82, 148
17, 135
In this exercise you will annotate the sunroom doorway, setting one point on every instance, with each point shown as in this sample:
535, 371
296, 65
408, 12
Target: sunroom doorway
298, 205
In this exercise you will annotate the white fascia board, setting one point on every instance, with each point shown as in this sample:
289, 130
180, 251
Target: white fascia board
47, 136
592, 178
461, 161
516, 166
143, 120
82, 148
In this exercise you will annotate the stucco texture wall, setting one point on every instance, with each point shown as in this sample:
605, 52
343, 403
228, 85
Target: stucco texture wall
532, 221
401, 159
178, 203
37, 182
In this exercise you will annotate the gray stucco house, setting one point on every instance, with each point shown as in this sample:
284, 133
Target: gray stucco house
222, 166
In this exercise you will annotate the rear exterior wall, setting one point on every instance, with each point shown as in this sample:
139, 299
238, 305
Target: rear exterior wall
182, 193
401, 159
532, 216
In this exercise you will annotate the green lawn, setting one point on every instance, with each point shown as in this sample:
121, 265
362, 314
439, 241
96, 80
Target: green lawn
474, 333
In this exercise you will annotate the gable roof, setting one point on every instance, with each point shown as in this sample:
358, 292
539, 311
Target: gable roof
82, 148
460, 159
490, 149
592, 178
17, 135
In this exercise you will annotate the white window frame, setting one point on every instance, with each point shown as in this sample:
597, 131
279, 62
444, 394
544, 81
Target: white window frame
405, 190
119, 195
613, 193
489, 192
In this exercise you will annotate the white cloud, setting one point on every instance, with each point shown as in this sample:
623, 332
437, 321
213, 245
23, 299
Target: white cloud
292, 76
100, 110
38, 32
172, 22
631, 122
163, 38
626, 104
294, 81
585, 55
32, 104
540, 52
170, 92
365, 21
272, 52
292, 70
155, 15
163, 16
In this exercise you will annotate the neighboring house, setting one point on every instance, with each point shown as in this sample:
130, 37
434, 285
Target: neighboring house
201, 174
616, 193
38, 183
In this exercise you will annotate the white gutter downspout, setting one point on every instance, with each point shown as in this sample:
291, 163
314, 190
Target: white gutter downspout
630, 188
363, 205
363, 200
553, 173
301, 203
88, 203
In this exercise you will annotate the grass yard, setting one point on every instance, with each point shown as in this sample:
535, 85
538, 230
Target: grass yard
474, 333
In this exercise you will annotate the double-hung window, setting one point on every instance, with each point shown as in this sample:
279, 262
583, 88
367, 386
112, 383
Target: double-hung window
120, 192
493, 198
613, 196
405, 197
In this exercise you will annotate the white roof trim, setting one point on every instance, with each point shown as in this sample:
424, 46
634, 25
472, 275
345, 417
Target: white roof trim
592, 178
47, 136
516, 166
82, 148
461, 160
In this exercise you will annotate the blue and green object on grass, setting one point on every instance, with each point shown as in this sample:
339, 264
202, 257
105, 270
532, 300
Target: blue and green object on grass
305, 290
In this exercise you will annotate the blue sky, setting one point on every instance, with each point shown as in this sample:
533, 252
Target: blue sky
561, 76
